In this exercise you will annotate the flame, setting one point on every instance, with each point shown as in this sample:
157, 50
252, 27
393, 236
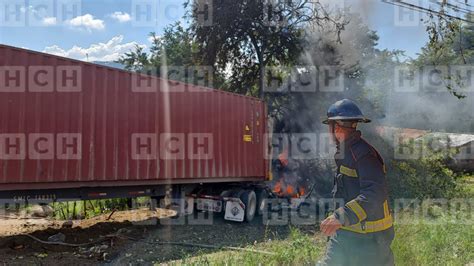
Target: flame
290, 190
282, 187
277, 187
302, 191
286, 190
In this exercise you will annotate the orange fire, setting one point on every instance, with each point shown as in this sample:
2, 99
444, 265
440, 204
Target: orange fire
277, 188
302, 191
286, 190
281, 188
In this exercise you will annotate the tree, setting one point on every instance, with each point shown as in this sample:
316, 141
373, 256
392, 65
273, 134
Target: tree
247, 36
175, 48
176, 45
446, 24
353, 57
135, 60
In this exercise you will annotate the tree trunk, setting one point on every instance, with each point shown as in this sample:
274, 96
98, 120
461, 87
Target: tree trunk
262, 81
262, 70
261, 61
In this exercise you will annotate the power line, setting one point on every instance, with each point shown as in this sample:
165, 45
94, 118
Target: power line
431, 11
453, 7
457, 9
463, 3
425, 10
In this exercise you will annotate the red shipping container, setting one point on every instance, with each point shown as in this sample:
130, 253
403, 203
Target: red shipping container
66, 124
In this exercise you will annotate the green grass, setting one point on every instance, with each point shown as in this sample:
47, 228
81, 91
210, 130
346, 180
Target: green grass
441, 242
297, 249
441, 237
467, 182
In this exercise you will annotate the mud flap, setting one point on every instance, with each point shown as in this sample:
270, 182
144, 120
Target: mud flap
234, 210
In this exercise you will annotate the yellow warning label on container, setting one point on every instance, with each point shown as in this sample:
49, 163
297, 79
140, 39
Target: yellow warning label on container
247, 138
270, 176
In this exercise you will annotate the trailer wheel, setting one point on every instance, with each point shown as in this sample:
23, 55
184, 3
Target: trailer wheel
249, 198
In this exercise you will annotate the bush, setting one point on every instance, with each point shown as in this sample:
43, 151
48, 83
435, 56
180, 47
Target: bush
426, 177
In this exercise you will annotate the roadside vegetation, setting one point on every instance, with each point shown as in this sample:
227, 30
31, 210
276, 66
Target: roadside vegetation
87, 208
435, 239
298, 249
75, 210
440, 239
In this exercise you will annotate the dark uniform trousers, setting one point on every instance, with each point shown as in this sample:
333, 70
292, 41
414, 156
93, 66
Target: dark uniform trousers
347, 248
367, 231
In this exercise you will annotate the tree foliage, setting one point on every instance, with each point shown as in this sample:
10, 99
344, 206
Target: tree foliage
450, 44
174, 48
135, 60
247, 36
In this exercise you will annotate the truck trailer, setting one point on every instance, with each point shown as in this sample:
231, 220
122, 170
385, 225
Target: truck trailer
75, 130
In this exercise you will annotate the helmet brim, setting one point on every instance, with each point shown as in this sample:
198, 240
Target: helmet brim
340, 118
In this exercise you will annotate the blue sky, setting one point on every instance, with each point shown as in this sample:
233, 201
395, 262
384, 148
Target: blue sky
104, 29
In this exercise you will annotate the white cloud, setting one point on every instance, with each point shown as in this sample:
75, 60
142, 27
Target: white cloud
87, 22
151, 39
49, 21
121, 16
40, 15
109, 51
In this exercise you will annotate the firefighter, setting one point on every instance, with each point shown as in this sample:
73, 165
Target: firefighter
361, 228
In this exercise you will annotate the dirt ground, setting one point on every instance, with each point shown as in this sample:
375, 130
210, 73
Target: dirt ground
139, 237
107, 235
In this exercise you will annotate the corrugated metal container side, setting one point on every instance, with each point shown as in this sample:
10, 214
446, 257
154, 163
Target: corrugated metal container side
63, 137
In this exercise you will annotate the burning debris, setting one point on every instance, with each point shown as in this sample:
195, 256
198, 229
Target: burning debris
282, 189
289, 184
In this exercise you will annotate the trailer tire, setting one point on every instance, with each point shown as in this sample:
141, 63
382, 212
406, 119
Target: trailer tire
249, 198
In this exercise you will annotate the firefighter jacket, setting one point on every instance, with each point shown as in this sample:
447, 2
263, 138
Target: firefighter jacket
360, 181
